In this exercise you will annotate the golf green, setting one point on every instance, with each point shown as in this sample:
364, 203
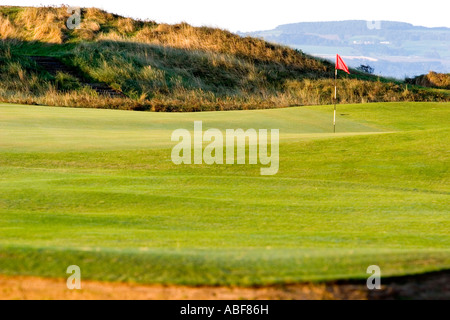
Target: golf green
98, 189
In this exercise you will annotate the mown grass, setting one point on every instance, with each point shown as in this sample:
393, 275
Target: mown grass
97, 188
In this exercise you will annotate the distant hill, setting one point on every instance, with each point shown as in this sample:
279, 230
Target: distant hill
394, 49
117, 62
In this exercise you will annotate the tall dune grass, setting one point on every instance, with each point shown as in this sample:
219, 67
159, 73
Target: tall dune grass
164, 67
433, 80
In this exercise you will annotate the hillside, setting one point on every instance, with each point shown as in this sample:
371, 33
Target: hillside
432, 80
162, 67
394, 49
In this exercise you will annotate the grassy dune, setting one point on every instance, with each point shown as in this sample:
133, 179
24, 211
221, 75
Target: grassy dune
161, 67
97, 188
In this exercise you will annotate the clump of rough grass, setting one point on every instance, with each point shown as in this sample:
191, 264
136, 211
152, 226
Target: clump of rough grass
433, 80
7, 29
43, 24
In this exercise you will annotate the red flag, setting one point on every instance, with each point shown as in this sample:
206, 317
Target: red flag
340, 64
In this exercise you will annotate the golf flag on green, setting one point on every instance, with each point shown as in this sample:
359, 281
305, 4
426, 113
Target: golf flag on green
340, 65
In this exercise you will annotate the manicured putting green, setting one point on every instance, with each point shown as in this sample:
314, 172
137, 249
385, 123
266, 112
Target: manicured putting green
97, 188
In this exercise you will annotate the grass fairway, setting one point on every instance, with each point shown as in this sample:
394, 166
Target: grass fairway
97, 188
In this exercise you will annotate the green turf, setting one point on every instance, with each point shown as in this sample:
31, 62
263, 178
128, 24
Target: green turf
97, 188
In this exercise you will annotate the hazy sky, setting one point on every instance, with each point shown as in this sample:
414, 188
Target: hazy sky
252, 15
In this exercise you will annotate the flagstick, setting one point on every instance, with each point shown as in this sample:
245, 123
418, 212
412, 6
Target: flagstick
335, 99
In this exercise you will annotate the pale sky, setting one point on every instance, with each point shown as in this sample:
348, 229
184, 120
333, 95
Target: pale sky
252, 15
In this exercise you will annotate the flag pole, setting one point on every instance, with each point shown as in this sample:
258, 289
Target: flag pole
340, 65
335, 99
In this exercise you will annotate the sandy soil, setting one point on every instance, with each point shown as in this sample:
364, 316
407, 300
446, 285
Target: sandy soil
429, 286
